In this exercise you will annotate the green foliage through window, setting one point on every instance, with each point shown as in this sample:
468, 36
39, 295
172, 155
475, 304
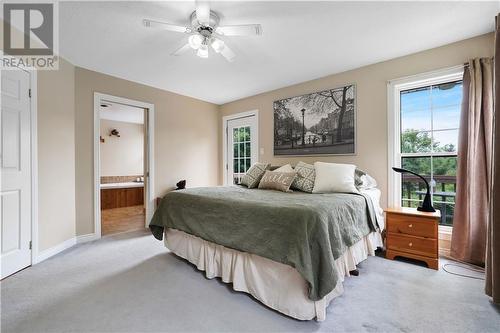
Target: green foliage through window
241, 152
429, 134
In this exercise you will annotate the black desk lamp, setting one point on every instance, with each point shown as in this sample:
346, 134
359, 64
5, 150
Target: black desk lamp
426, 205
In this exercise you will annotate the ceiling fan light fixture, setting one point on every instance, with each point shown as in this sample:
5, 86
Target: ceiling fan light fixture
204, 31
202, 51
195, 41
217, 45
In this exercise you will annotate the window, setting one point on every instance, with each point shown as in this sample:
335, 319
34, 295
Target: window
241, 152
425, 141
240, 142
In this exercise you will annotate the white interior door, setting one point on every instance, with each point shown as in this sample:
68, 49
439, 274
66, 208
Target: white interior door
241, 147
15, 165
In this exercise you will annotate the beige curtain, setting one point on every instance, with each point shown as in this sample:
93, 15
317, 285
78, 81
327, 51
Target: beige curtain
493, 235
471, 214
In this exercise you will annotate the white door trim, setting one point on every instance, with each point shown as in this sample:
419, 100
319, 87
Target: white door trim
225, 119
149, 180
34, 165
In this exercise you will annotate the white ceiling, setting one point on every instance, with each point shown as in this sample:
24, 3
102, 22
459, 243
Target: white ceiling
301, 40
121, 112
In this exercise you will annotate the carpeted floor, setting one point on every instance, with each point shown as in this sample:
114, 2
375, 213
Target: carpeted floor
130, 283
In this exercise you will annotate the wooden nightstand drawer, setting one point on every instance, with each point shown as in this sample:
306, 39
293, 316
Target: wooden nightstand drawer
417, 245
410, 225
412, 234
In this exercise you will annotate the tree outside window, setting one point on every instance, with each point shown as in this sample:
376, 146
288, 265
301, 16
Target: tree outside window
429, 133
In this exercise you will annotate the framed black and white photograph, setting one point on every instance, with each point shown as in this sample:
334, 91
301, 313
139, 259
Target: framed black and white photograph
321, 123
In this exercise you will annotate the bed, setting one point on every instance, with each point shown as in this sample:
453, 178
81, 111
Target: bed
291, 251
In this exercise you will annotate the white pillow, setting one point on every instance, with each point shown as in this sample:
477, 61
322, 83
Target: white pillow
334, 177
284, 168
368, 182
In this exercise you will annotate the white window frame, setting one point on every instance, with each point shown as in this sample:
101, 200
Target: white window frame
225, 119
394, 88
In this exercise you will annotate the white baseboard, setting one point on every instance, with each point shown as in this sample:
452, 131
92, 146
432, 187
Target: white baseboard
52, 251
86, 238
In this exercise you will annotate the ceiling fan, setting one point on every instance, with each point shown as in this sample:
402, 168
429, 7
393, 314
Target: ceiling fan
205, 32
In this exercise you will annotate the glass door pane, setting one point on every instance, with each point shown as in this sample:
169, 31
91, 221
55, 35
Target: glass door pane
241, 147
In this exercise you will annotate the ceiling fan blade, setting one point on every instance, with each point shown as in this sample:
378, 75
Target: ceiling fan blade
203, 11
227, 53
166, 26
240, 30
181, 50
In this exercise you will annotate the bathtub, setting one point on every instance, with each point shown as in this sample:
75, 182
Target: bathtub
121, 185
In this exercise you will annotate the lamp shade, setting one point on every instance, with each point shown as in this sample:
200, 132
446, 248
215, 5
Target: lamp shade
426, 205
195, 41
217, 45
202, 51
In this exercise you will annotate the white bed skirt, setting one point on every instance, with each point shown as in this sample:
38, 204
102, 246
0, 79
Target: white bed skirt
277, 285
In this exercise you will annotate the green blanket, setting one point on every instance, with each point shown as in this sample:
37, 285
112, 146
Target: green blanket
302, 230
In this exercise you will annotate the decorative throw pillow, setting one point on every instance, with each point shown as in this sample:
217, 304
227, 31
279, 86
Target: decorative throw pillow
364, 181
305, 177
358, 177
334, 177
252, 178
369, 181
284, 168
275, 180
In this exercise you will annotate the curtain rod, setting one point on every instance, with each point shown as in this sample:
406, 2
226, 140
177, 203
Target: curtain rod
467, 63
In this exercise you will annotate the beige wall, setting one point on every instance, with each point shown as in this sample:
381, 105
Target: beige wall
56, 151
188, 131
124, 155
56, 155
186, 138
371, 83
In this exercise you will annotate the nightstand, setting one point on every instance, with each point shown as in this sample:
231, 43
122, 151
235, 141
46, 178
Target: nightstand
412, 234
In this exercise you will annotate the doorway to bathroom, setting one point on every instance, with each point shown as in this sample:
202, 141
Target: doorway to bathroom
122, 164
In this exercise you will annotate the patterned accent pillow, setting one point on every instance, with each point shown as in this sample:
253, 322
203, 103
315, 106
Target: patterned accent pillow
363, 181
284, 168
358, 180
252, 178
305, 177
275, 180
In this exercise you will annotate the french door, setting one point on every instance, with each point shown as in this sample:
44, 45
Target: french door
241, 147
15, 162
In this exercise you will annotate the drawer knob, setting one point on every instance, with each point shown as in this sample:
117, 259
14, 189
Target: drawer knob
410, 244
410, 225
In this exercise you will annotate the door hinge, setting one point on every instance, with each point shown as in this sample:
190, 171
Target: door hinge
227, 166
29, 93
31, 245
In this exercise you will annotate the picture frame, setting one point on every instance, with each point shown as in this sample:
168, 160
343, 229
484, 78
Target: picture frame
319, 123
